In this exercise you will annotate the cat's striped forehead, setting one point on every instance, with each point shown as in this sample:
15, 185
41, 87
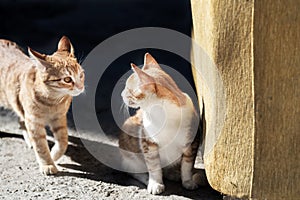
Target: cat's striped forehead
67, 65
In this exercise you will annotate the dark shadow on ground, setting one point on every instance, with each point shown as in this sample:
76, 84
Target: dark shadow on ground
4, 135
95, 171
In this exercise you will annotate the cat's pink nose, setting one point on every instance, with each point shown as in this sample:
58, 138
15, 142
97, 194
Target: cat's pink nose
79, 86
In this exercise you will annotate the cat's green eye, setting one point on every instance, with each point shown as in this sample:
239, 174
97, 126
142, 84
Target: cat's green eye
68, 79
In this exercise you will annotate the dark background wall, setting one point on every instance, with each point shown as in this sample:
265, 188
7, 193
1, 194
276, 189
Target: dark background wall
40, 24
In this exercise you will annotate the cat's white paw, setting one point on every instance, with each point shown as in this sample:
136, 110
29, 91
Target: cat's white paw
155, 187
190, 185
48, 169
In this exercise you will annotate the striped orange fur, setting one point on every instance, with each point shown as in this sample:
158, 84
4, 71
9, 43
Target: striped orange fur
39, 89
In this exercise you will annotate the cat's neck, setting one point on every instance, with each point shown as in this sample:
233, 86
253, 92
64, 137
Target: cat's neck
163, 121
165, 108
168, 99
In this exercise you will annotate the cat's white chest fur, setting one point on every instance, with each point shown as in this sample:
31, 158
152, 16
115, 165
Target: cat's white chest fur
168, 125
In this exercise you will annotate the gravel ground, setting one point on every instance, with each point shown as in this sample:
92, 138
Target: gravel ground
81, 177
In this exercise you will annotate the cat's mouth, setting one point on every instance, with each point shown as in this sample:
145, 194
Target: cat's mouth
77, 92
131, 104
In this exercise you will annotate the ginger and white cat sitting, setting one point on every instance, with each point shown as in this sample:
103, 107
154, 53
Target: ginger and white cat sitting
39, 89
163, 132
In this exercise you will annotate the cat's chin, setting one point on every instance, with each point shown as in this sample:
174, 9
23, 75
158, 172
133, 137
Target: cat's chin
134, 106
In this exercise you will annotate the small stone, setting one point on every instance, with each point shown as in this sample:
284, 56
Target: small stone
107, 194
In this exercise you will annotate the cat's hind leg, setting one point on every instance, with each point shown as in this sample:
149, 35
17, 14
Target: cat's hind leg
25, 134
17, 107
59, 129
199, 177
187, 164
186, 172
173, 173
26, 138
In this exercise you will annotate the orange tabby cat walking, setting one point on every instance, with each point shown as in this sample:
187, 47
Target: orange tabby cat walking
40, 89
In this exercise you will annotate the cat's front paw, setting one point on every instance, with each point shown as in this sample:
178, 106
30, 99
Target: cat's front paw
155, 187
48, 169
190, 185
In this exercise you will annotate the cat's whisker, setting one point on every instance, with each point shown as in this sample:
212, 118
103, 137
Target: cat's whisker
83, 93
81, 58
126, 113
124, 110
121, 107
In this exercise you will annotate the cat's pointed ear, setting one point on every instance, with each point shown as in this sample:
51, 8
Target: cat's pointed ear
65, 44
150, 62
143, 77
41, 59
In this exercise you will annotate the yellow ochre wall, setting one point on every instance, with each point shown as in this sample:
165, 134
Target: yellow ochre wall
249, 83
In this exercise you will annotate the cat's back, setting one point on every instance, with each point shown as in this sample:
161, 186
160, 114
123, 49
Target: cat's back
11, 53
6, 45
14, 65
